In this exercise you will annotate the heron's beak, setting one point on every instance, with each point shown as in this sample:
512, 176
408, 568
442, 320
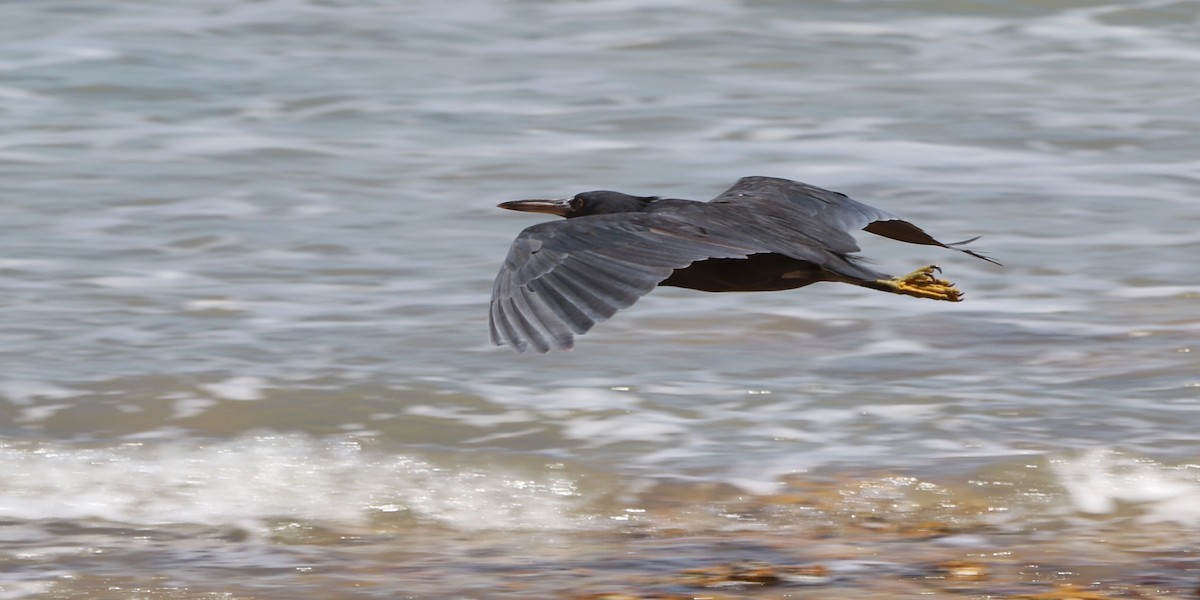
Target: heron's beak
558, 207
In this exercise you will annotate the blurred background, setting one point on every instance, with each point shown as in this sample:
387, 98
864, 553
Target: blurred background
247, 249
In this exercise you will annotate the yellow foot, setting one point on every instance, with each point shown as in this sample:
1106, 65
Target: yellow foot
923, 284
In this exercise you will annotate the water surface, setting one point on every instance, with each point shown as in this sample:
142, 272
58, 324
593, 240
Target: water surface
247, 249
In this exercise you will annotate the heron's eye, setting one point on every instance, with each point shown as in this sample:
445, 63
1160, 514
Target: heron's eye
577, 204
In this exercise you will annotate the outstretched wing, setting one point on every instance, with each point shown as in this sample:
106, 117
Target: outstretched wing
562, 277
835, 214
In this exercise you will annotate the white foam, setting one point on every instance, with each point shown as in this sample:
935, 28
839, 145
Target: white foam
215, 304
24, 589
625, 428
1156, 291
252, 479
54, 56
238, 388
466, 417
1098, 481
23, 393
150, 280
905, 413
894, 346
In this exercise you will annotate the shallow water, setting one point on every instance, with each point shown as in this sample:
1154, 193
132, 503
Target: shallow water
247, 250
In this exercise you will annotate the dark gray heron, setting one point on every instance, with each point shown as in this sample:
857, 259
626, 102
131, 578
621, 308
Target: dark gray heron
763, 234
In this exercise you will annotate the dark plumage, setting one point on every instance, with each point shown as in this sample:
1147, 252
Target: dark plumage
763, 234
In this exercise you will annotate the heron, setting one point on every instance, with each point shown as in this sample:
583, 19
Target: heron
561, 278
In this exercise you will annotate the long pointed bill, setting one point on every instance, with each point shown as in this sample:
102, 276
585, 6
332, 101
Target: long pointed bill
554, 207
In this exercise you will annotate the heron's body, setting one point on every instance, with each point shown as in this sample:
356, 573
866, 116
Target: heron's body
763, 234
767, 272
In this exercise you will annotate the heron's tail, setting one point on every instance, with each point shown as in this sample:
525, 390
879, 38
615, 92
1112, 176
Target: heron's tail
953, 246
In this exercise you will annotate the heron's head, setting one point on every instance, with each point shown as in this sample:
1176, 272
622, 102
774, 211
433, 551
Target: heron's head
600, 202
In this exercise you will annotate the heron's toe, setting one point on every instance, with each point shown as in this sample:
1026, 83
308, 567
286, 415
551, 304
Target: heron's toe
922, 283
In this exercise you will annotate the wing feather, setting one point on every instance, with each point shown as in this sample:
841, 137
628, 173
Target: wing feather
833, 214
562, 277
566, 305
576, 291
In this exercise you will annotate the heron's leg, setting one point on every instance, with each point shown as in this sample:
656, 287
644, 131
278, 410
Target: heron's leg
920, 283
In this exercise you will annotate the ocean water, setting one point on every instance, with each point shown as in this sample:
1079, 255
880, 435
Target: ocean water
247, 250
